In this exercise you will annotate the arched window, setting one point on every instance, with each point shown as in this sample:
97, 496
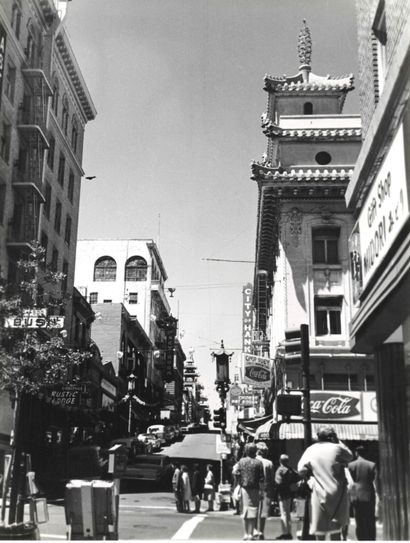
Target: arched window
74, 133
16, 18
307, 108
105, 269
54, 100
136, 269
64, 117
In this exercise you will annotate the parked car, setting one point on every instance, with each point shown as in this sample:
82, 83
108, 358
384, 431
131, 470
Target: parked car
191, 428
153, 467
150, 438
161, 431
133, 445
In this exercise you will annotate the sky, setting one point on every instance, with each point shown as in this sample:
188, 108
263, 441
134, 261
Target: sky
178, 87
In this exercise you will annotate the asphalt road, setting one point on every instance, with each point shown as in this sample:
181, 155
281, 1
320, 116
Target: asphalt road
196, 446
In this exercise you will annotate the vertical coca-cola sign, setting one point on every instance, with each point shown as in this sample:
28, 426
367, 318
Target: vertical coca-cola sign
247, 318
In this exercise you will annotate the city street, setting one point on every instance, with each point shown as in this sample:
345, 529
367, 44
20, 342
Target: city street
152, 516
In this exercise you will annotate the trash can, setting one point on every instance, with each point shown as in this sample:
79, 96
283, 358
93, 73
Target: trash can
224, 496
22, 531
91, 509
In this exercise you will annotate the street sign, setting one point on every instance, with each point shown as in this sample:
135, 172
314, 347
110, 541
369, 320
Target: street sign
52, 321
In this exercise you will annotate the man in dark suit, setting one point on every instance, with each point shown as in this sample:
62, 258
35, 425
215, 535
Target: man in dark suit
363, 495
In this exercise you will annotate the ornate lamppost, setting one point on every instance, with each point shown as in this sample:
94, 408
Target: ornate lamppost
222, 381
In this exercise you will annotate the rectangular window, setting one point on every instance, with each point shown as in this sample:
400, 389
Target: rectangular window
54, 260
5, 142
57, 217
67, 235
133, 298
16, 20
50, 156
2, 202
10, 83
325, 245
47, 203
107, 301
93, 297
70, 191
64, 281
328, 315
44, 243
61, 169
336, 381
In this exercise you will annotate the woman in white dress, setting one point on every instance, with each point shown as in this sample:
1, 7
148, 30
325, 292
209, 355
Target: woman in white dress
186, 490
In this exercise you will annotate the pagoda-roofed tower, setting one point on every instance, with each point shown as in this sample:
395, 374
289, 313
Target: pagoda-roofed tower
302, 256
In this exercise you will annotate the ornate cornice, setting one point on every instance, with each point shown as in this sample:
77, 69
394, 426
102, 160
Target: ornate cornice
303, 183
273, 130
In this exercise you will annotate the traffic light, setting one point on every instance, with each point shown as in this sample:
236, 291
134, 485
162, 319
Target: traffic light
288, 404
296, 344
220, 418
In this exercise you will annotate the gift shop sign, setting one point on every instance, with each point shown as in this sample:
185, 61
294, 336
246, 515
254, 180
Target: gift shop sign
256, 371
385, 210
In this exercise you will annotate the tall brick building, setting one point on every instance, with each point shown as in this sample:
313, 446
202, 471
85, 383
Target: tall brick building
378, 195
302, 271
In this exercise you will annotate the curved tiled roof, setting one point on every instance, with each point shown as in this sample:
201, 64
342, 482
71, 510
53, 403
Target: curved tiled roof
297, 83
263, 172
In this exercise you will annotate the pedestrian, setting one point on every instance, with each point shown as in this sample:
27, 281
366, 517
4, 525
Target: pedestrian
363, 495
251, 479
324, 463
197, 488
177, 487
268, 487
285, 478
236, 492
186, 490
209, 488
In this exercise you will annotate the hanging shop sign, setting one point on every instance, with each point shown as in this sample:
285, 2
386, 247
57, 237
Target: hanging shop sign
69, 395
256, 371
33, 321
385, 210
247, 318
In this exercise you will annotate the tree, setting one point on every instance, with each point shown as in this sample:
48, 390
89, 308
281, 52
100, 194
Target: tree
32, 361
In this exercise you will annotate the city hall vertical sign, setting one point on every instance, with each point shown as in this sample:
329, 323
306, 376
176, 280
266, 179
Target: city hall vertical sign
247, 318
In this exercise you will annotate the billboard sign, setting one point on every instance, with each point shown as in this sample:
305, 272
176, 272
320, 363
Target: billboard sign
256, 371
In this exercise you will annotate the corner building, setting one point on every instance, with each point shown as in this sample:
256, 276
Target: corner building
378, 196
302, 272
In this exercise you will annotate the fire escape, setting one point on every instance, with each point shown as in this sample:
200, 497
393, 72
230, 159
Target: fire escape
28, 168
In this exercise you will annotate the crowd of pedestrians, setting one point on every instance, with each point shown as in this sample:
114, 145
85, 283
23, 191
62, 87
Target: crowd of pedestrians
327, 473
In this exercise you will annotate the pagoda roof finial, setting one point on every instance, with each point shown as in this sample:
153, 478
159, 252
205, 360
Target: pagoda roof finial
305, 45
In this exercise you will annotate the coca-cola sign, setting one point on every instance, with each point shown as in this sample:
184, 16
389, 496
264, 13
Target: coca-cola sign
257, 374
334, 405
256, 371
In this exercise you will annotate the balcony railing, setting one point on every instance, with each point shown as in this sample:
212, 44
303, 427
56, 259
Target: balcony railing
32, 114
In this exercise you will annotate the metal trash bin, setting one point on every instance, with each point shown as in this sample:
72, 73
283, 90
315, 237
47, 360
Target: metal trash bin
91, 509
224, 496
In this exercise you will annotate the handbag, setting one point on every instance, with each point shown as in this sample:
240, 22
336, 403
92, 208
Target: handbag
303, 489
237, 493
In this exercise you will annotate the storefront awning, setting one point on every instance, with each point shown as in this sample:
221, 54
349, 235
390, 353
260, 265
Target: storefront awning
349, 432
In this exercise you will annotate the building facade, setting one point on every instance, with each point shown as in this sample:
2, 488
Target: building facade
131, 273
302, 272
378, 195
44, 108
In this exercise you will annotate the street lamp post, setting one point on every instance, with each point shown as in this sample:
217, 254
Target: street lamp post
130, 396
222, 383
